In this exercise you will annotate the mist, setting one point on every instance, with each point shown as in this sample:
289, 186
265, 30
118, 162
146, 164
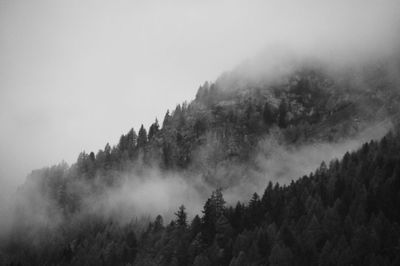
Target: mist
75, 74
149, 194
144, 192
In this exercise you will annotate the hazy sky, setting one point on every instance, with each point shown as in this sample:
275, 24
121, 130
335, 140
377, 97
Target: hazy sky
75, 75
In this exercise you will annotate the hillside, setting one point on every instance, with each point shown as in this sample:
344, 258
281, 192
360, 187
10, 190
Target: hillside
342, 214
235, 136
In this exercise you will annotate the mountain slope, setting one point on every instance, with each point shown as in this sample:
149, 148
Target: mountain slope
344, 214
230, 136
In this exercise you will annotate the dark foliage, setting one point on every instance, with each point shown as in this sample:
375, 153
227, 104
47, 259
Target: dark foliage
346, 213
343, 214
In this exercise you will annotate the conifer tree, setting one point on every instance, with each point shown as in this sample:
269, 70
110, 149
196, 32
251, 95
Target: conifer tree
142, 138
153, 130
181, 216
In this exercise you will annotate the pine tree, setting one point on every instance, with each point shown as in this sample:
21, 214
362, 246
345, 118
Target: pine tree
181, 216
167, 119
142, 138
195, 226
219, 202
213, 209
131, 139
154, 128
208, 221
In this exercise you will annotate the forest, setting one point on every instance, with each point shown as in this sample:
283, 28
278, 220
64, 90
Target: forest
343, 213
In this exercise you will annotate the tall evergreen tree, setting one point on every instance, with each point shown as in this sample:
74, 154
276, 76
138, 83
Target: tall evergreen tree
181, 217
142, 138
154, 128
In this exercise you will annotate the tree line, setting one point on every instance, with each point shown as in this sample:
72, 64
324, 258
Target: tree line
345, 213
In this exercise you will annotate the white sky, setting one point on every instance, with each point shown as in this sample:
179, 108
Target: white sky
75, 75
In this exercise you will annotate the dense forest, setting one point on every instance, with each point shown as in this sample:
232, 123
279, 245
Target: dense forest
344, 213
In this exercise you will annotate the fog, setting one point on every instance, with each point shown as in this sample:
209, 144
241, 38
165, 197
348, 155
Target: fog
149, 194
143, 193
74, 75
